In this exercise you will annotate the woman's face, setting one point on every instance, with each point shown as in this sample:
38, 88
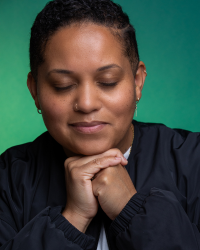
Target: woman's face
86, 90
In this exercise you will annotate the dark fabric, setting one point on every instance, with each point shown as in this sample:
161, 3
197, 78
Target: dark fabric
164, 166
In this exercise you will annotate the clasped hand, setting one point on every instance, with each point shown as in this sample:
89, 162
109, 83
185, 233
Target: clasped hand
96, 180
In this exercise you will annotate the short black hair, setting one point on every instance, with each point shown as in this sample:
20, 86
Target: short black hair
59, 13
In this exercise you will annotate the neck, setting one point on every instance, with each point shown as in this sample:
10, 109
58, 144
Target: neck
128, 140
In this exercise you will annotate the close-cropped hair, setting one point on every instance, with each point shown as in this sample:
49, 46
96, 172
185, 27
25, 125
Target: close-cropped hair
60, 13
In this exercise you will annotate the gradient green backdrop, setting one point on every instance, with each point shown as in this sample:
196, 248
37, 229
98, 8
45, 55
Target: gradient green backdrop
168, 34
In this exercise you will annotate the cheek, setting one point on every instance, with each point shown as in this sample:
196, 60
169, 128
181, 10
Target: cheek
53, 108
124, 102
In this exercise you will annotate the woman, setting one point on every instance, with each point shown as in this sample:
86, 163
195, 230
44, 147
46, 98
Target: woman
86, 79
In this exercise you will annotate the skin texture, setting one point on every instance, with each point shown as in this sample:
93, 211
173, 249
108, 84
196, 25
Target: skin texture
71, 92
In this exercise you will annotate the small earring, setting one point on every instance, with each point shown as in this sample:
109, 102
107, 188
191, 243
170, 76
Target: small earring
39, 111
136, 106
76, 107
145, 72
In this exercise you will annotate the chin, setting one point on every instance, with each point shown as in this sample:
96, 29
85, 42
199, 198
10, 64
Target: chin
91, 152
91, 149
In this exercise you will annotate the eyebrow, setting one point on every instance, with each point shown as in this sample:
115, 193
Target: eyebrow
60, 71
110, 66
67, 72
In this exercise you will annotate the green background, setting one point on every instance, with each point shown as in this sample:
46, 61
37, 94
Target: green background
168, 34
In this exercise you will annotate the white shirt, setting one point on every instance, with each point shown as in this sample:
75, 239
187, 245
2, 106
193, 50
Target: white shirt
103, 244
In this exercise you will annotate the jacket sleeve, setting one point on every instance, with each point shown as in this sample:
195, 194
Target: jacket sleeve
48, 230
155, 221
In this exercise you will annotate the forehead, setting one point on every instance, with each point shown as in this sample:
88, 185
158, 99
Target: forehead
83, 44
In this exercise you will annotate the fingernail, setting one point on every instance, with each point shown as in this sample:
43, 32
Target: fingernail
118, 158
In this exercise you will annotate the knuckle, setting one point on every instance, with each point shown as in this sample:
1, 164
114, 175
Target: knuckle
71, 162
98, 192
115, 151
104, 179
104, 161
66, 163
111, 161
82, 182
70, 166
118, 152
97, 161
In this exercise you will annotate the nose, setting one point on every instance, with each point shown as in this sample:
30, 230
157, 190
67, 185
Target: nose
88, 98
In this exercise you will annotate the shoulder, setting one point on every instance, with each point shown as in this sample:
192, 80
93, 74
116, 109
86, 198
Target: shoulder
157, 126
176, 150
24, 167
27, 160
174, 145
176, 135
180, 149
24, 151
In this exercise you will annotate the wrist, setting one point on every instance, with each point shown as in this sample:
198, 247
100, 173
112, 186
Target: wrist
77, 220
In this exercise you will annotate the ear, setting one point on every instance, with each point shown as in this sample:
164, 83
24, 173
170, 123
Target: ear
139, 79
32, 86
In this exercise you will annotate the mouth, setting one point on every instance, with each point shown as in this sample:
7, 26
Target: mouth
88, 127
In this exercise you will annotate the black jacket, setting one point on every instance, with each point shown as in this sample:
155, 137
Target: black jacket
164, 166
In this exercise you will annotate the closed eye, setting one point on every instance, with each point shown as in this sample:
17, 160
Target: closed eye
63, 88
110, 84
104, 84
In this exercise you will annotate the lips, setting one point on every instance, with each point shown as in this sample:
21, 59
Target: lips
88, 127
